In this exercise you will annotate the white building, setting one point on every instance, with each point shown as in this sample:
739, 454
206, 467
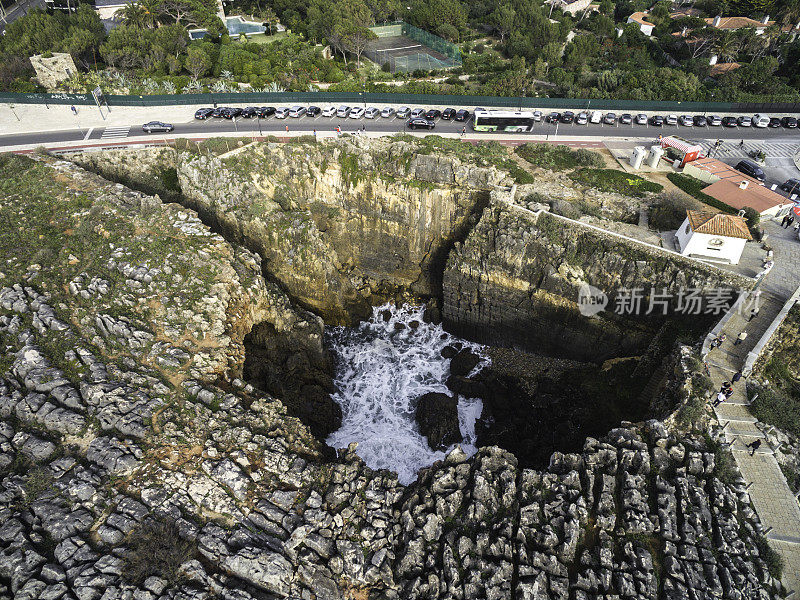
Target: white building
717, 237
645, 26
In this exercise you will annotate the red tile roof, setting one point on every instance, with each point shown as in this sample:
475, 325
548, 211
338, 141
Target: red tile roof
718, 224
755, 196
738, 23
640, 18
722, 68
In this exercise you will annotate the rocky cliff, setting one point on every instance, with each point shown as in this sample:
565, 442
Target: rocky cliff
515, 281
134, 464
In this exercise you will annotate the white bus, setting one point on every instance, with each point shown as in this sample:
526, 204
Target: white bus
502, 120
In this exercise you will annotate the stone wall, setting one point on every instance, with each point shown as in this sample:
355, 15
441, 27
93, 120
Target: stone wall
514, 281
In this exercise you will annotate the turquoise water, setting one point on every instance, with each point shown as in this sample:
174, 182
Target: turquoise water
235, 25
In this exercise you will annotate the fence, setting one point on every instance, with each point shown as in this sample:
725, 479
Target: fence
433, 52
262, 98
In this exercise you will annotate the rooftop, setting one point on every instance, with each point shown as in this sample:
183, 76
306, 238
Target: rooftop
641, 18
718, 224
738, 23
755, 196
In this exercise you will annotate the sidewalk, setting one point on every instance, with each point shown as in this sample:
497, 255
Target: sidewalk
774, 502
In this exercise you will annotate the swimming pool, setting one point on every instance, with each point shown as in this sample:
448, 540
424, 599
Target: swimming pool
235, 25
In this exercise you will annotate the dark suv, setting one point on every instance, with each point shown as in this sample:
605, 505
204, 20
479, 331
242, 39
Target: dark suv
748, 167
568, 116
449, 114
203, 113
462, 115
266, 111
789, 122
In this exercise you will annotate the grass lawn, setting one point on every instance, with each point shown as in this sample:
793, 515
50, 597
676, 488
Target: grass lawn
263, 38
612, 180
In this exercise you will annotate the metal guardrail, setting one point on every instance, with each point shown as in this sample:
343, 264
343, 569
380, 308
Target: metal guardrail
260, 98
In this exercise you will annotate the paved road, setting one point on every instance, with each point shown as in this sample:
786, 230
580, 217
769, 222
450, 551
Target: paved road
272, 125
11, 11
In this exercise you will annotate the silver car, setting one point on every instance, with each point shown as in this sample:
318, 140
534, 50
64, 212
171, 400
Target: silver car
387, 112
282, 112
418, 113
343, 111
641, 119
403, 112
372, 112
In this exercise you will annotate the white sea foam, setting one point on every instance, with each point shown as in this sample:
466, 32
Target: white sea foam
381, 370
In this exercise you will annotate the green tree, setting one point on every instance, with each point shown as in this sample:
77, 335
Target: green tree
197, 62
502, 19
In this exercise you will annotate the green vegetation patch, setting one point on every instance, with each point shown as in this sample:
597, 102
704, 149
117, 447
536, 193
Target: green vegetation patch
694, 187
156, 549
612, 180
558, 158
777, 407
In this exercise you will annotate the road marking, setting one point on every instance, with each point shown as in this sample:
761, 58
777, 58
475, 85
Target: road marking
88, 133
115, 132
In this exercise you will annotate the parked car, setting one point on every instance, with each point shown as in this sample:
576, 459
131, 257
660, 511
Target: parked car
403, 112
314, 111
748, 167
297, 111
729, 122
627, 119
448, 114
686, 120
775, 122
537, 116
553, 117
789, 122
582, 118
217, 112
357, 112
282, 112
230, 113
568, 116
329, 112
266, 111
610, 119
157, 127
671, 120
420, 123
464, 115
656, 121
433, 114
596, 117
714, 120
372, 112
203, 113
791, 186
387, 112
700, 121
343, 111
760, 120
641, 119
249, 112
744, 121
418, 113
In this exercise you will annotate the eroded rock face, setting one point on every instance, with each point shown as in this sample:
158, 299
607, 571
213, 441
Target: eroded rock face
514, 282
437, 416
117, 411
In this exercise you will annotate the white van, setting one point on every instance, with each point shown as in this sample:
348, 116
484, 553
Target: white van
760, 120
597, 116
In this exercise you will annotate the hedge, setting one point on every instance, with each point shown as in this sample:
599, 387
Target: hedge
694, 187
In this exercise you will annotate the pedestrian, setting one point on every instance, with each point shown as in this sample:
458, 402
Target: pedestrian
754, 445
740, 338
753, 314
364, 127
796, 227
785, 221
737, 376
725, 385
790, 221
315, 134
741, 144
720, 399
74, 110
287, 129
722, 338
728, 393
463, 131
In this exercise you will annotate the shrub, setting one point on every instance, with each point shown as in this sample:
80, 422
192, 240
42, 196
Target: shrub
479, 48
611, 180
753, 218
770, 556
549, 156
668, 212
776, 407
156, 548
691, 412
386, 67
694, 187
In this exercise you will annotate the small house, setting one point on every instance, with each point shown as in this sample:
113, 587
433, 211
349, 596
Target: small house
718, 237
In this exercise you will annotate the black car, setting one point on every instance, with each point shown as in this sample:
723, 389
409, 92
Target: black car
420, 123
313, 111
789, 122
729, 121
462, 115
748, 167
249, 112
157, 127
218, 112
657, 121
625, 119
230, 113
791, 186
449, 114
266, 111
553, 117
568, 116
774, 122
203, 113
433, 114
700, 121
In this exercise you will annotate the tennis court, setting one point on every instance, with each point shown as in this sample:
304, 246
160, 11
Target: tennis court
406, 48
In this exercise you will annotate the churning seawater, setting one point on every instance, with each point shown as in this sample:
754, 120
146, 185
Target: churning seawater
382, 367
